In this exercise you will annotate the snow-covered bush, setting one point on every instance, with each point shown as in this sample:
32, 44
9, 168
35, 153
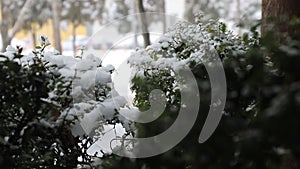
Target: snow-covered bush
184, 44
260, 126
49, 104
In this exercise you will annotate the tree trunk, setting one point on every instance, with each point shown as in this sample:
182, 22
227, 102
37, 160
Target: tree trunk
238, 16
163, 9
56, 25
188, 10
74, 39
278, 13
20, 20
144, 23
33, 35
4, 28
134, 25
5, 41
5, 34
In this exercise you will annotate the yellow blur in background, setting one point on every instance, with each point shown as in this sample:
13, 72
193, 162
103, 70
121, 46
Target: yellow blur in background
47, 30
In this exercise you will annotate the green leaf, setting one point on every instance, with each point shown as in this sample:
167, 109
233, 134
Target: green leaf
223, 27
246, 37
43, 38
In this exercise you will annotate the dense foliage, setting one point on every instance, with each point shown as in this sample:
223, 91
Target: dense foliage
260, 127
31, 133
45, 101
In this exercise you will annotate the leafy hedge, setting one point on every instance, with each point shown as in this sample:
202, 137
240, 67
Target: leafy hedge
45, 101
31, 133
260, 127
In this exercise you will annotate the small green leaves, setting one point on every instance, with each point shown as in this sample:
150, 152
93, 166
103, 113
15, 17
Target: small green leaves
245, 37
43, 38
223, 27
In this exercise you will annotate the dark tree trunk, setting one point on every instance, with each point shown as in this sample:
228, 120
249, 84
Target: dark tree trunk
278, 13
144, 23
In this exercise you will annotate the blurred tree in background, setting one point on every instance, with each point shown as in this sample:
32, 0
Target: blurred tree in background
280, 15
79, 12
36, 18
13, 14
241, 15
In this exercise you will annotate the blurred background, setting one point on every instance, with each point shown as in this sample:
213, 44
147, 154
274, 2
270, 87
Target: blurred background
69, 23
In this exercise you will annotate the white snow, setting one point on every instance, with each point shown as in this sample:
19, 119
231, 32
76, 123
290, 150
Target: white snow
43, 40
85, 73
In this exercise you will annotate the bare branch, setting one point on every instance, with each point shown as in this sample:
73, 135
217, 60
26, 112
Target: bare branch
20, 20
